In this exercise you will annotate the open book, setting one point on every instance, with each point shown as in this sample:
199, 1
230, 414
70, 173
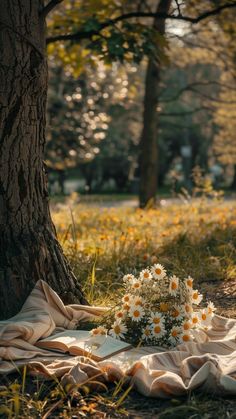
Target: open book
80, 342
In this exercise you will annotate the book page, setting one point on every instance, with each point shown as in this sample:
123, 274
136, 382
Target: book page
80, 341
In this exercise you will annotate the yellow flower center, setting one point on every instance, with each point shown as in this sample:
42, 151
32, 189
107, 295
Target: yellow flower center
186, 338
195, 320
136, 313
95, 332
117, 329
204, 316
190, 283
126, 306
120, 314
195, 295
126, 298
175, 313
156, 320
173, 286
158, 271
136, 285
147, 332
146, 275
187, 309
186, 326
174, 333
157, 329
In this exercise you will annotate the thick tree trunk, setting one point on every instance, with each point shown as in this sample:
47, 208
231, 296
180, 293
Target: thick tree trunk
148, 143
29, 249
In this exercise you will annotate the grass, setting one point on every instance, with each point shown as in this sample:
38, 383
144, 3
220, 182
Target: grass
196, 238
103, 244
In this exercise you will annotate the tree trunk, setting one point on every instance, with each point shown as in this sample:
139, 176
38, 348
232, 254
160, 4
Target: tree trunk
29, 249
148, 143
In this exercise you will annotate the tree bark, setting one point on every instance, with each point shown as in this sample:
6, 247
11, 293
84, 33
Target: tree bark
148, 143
29, 249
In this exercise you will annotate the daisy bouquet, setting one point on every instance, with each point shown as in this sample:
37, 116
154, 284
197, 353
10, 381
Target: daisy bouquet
157, 309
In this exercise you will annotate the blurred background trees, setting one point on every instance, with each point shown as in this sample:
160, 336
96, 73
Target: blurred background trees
103, 135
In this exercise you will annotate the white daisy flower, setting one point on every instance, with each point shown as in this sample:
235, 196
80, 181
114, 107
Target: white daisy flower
147, 333
117, 330
174, 285
187, 325
188, 309
196, 297
185, 337
128, 278
138, 301
158, 271
127, 298
156, 318
158, 330
145, 275
189, 283
126, 306
195, 319
211, 308
174, 334
120, 314
136, 285
136, 313
177, 312
205, 317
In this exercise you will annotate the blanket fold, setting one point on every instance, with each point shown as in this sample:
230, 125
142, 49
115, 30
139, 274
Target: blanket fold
208, 363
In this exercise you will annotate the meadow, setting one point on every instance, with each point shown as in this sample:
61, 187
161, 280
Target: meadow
194, 237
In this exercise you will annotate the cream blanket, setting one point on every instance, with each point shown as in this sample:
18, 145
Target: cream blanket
209, 363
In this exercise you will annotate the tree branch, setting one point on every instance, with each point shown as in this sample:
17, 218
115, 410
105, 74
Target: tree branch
50, 6
126, 16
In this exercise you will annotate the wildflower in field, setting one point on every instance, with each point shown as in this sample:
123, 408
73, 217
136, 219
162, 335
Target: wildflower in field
189, 283
185, 337
177, 313
126, 306
158, 271
158, 331
188, 309
136, 285
128, 278
145, 275
146, 333
136, 313
174, 285
138, 301
196, 297
174, 335
195, 319
120, 314
210, 308
127, 298
187, 325
205, 317
156, 318
117, 330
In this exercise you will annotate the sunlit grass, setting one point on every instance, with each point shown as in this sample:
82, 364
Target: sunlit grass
197, 238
